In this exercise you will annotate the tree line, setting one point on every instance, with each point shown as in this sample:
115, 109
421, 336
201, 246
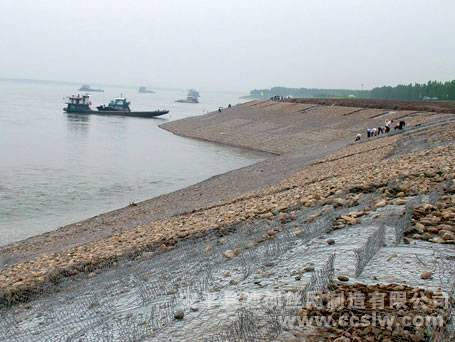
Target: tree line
431, 90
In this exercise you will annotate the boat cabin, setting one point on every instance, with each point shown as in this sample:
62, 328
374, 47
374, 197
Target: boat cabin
78, 104
118, 104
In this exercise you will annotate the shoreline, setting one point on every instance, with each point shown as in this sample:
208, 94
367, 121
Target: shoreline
275, 167
131, 215
116, 211
283, 161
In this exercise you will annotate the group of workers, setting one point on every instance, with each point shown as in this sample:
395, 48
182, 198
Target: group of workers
372, 132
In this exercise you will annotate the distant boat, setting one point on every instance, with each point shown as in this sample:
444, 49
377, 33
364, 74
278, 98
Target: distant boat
194, 93
86, 87
192, 97
119, 106
145, 90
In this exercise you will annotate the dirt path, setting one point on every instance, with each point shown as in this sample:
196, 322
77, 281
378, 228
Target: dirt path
421, 106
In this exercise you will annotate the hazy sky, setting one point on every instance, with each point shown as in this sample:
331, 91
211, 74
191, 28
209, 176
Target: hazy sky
230, 44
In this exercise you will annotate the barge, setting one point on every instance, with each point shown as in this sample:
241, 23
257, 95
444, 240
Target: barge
80, 104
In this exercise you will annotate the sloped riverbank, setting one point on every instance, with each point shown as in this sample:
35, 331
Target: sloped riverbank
233, 268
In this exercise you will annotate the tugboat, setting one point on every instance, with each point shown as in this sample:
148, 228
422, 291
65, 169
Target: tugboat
192, 97
86, 87
119, 106
145, 90
78, 104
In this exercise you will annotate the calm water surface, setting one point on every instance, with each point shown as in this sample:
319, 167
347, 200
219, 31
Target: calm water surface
57, 168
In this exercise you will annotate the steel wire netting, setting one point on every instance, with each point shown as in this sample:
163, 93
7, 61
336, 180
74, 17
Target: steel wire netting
264, 323
133, 299
136, 299
364, 254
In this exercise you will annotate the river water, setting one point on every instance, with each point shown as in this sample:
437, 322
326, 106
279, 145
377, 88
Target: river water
57, 168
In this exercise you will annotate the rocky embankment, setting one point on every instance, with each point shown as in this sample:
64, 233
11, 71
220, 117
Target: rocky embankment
408, 173
283, 128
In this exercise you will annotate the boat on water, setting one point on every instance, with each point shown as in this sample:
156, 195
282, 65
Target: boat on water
86, 87
192, 97
145, 90
80, 104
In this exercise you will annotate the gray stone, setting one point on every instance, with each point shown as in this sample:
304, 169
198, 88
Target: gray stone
179, 314
343, 278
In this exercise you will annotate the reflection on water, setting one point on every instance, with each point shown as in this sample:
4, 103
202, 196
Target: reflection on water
77, 117
77, 123
58, 168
